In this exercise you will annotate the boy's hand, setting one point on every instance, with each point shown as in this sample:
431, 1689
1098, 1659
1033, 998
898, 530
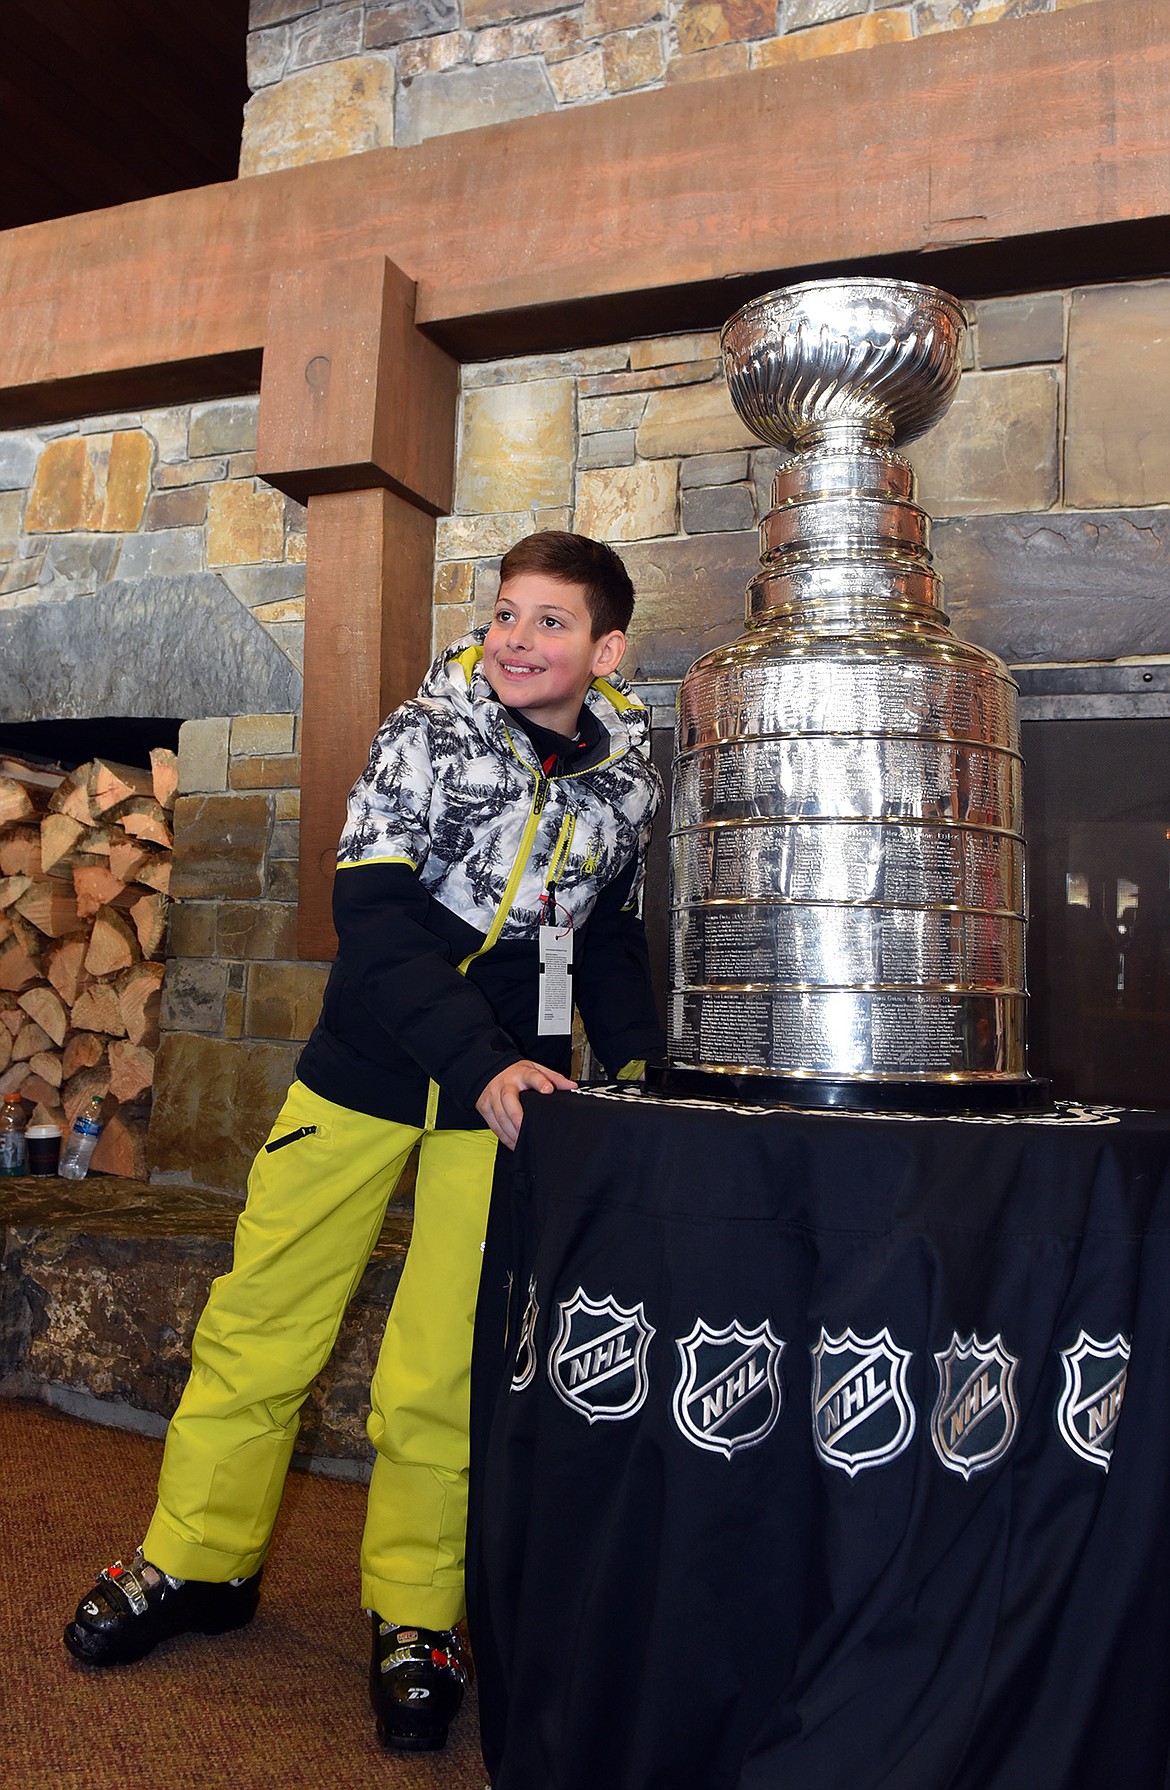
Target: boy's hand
499, 1103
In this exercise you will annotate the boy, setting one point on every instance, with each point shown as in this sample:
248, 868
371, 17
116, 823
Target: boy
499, 830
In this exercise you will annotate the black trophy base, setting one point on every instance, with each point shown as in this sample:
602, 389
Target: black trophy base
937, 1099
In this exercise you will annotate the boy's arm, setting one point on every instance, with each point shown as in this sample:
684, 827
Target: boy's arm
403, 969
612, 986
409, 984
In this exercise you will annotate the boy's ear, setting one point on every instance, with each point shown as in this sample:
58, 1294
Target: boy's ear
608, 651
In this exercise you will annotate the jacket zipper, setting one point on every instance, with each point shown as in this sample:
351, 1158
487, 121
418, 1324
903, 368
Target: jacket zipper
523, 853
519, 865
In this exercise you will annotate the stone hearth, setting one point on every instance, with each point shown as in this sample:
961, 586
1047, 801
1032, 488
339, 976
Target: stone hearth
102, 1281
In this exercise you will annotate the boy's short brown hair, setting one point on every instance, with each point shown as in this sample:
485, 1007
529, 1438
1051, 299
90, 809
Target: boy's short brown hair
575, 559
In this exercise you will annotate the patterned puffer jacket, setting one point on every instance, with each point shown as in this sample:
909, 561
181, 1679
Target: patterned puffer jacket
456, 843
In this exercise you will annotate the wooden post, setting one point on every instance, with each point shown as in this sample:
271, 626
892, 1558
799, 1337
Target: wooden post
352, 395
357, 417
367, 638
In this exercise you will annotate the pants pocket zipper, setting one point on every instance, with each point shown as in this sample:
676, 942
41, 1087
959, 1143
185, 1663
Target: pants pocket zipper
278, 1143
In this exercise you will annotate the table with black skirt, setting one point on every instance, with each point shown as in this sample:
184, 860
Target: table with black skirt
822, 1452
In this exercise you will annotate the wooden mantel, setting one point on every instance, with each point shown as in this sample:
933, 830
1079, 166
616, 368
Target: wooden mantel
657, 211
543, 230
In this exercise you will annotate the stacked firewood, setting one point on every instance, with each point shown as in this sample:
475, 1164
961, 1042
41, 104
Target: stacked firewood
85, 864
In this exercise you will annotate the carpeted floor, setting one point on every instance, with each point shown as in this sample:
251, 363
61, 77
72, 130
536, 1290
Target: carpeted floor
279, 1705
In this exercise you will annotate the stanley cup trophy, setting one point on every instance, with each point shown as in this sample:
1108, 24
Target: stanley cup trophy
847, 904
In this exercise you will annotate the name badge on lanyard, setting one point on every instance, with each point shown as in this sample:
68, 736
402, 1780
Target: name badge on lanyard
555, 1010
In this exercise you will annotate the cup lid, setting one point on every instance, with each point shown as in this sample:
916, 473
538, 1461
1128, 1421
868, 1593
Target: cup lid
42, 1131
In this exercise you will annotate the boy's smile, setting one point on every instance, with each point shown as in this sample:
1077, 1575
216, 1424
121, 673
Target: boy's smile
540, 656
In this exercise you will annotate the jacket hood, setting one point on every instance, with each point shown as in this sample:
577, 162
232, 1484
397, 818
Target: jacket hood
457, 677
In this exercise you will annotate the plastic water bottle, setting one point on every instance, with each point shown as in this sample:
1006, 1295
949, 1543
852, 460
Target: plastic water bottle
12, 1158
82, 1141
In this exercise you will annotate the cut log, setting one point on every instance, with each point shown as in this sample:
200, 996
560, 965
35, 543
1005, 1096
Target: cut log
97, 886
49, 906
17, 967
13, 1078
156, 873
28, 1041
16, 803
164, 773
83, 1050
47, 1064
60, 837
139, 999
37, 1089
27, 934
45, 1006
44, 1114
65, 967
42, 778
72, 798
5, 1048
149, 914
121, 1148
144, 864
127, 856
96, 843
96, 1009
20, 851
12, 1017
131, 1070
110, 784
12, 888
143, 819
113, 944
80, 1089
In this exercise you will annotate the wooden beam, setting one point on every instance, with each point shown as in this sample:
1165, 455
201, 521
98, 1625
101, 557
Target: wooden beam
352, 395
367, 638
536, 230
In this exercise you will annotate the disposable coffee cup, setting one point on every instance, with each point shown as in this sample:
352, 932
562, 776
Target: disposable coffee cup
43, 1143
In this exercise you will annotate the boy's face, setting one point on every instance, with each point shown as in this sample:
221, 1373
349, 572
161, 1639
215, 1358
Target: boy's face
540, 656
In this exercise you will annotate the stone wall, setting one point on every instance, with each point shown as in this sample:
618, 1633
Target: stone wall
146, 571
334, 77
236, 1002
1049, 482
141, 560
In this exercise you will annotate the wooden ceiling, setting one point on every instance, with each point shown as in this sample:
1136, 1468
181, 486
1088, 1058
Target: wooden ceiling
103, 101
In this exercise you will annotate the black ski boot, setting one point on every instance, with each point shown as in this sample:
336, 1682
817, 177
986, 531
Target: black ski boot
132, 1608
417, 1680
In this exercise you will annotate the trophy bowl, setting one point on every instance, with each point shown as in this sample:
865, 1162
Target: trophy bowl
844, 361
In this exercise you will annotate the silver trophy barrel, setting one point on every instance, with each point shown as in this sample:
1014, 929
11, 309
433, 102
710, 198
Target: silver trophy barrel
888, 864
847, 853
834, 776
723, 946
842, 1033
888, 687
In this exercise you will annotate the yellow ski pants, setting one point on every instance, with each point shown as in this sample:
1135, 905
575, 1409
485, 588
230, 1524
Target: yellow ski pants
315, 1208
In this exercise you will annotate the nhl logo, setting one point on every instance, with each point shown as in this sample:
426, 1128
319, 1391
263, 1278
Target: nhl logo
975, 1417
862, 1413
597, 1363
1094, 1387
728, 1394
525, 1370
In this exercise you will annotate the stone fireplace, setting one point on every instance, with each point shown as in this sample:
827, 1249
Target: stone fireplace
180, 592
146, 569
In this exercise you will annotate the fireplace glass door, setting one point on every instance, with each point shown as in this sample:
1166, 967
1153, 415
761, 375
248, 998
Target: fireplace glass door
1097, 819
